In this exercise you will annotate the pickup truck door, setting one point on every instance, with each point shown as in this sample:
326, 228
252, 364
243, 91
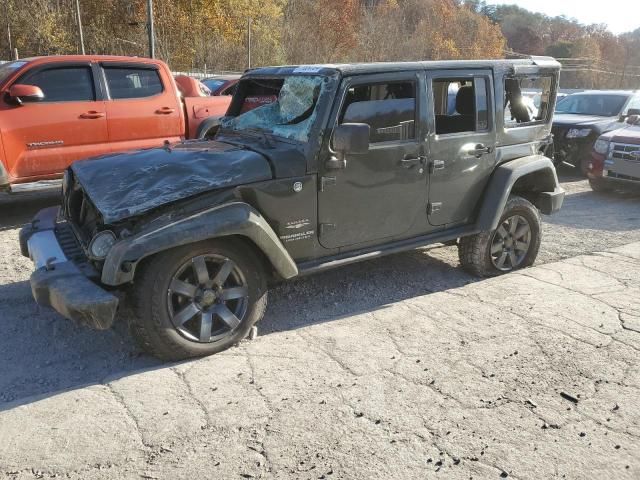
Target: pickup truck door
381, 194
462, 140
42, 138
143, 108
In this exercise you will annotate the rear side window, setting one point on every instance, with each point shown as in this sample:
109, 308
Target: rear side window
388, 108
132, 82
461, 105
526, 100
68, 84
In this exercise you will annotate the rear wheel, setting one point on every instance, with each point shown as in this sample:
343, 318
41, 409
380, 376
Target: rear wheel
198, 299
511, 246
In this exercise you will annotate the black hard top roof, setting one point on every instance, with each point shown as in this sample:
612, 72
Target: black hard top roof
382, 67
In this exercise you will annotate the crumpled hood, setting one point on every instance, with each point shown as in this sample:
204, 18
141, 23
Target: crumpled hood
129, 184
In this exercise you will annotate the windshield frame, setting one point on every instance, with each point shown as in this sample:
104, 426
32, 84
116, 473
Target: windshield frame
322, 105
621, 96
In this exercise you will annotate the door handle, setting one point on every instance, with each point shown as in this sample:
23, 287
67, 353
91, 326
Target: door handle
92, 115
480, 150
409, 162
165, 110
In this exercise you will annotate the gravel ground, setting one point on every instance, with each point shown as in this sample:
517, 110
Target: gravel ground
402, 368
43, 353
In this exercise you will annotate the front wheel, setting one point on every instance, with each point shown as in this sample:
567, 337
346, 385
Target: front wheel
511, 246
198, 300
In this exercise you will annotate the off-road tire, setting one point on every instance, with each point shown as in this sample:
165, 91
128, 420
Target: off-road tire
151, 324
600, 186
474, 251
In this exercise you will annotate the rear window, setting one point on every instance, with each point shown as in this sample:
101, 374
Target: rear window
527, 100
132, 82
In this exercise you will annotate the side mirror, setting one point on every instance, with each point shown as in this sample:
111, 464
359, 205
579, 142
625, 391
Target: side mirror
25, 93
633, 116
351, 138
348, 138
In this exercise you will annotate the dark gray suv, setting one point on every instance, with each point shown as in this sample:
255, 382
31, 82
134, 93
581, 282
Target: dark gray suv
314, 167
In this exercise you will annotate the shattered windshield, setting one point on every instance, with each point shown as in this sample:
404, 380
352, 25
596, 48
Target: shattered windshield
284, 107
589, 104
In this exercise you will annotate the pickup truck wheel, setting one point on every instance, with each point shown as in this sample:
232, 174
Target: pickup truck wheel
198, 299
512, 246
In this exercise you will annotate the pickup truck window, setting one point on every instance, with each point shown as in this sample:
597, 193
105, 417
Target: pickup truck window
132, 82
388, 108
526, 100
65, 84
288, 106
461, 105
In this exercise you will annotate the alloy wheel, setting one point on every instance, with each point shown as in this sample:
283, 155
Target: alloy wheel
510, 243
208, 298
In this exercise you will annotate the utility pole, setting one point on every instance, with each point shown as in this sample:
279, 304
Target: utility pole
80, 27
249, 20
152, 41
6, 10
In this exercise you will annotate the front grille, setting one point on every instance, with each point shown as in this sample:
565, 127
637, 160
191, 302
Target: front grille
624, 152
69, 243
80, 211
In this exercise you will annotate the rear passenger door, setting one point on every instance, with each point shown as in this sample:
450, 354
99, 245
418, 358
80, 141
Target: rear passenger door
461, 143
143, 109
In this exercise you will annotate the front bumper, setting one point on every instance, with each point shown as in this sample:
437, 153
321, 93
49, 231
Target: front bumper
61, 283
571, 150
551, 202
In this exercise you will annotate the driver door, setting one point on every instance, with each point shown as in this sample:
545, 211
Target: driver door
382, 194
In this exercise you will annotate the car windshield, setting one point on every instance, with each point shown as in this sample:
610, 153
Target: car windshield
213, 84
284, 107
588, 104
7, 69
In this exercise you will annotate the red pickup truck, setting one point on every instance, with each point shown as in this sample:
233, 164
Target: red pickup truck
59, 109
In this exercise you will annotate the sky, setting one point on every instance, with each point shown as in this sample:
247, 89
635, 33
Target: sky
619, 15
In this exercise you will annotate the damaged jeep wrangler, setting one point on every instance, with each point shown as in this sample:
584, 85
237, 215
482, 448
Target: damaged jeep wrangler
314, 167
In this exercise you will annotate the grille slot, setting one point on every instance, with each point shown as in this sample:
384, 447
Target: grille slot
69, 243
623, 152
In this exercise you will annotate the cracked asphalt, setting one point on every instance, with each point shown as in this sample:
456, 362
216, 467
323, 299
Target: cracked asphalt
399, 368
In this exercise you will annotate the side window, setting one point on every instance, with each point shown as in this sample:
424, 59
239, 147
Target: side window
132, 82
461, 105
388, 108
66, 84
526, 100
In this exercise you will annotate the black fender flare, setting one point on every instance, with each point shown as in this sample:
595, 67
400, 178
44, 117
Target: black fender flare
533, 176
207, 125
237, 218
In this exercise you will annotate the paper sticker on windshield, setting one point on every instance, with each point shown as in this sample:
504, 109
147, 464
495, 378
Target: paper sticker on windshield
308, 69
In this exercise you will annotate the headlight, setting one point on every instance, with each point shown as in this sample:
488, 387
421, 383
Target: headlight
578, 132
101, 244
601, 146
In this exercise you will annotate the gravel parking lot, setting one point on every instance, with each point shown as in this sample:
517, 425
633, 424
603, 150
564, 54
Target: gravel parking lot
339, 378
